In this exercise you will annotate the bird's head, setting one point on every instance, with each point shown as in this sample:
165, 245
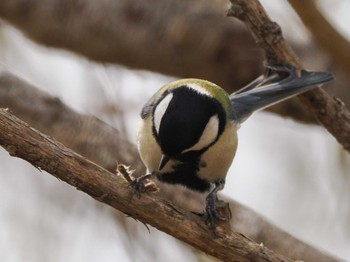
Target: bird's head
188, 116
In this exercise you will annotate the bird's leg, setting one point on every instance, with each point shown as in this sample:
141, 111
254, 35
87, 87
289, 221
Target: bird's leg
210, 212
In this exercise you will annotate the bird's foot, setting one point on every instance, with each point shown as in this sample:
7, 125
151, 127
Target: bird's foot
216, 211
143, 184
139, 184
137, 187
211, 213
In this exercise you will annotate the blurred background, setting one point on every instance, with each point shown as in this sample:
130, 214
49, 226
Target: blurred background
288, 169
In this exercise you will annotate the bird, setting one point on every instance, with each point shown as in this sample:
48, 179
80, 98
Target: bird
188, 129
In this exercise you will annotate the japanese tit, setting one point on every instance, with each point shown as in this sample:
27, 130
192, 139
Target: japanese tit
188, 132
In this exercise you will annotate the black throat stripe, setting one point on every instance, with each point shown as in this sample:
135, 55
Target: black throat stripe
185, 173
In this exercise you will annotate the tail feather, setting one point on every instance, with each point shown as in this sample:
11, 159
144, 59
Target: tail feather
250, 99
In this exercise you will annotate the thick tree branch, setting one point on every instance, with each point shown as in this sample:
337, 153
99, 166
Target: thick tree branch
20, 140
83, 134
330, 112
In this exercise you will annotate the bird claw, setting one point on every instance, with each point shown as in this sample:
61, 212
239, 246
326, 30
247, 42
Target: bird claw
141, 185
137, 186
211, 213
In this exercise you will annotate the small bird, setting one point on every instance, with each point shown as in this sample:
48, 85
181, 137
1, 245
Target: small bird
188, 132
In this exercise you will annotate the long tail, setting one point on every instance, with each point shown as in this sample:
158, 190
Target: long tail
258, 95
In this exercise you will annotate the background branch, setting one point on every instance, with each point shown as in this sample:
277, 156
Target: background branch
156, 35
82, 134
85, 134
192, 38
330, 112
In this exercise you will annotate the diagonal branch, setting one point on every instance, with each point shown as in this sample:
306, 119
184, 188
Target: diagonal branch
83, 133
20, 140
330, 112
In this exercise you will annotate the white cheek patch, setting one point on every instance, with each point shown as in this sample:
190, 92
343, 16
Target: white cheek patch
160, 110
208, 136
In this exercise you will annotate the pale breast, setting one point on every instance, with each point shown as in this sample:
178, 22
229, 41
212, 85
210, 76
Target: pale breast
216, 161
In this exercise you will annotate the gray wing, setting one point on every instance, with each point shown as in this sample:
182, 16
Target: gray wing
148, 107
